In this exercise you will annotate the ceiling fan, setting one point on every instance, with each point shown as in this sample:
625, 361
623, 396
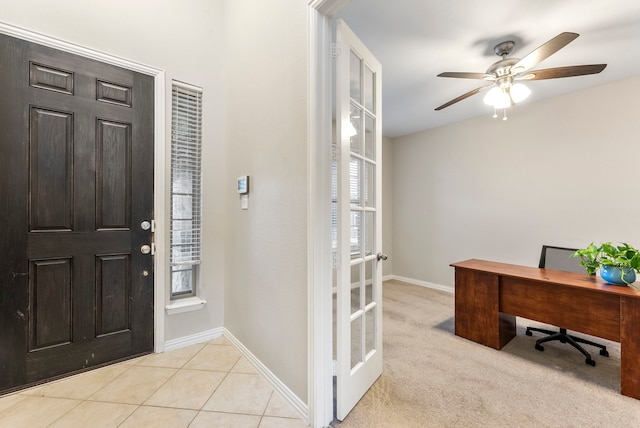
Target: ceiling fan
504, 75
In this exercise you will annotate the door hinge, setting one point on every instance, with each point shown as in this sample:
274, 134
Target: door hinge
334, 153
335, 260
336, 49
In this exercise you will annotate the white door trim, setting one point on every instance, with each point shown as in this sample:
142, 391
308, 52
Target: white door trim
160, 264
320, 323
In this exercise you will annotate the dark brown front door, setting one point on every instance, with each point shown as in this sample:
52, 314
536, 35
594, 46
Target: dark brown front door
76, 182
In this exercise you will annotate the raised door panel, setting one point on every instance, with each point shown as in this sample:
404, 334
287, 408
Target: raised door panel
50, 78
50, 303
113, 175
51, 169
113, 93
113, 294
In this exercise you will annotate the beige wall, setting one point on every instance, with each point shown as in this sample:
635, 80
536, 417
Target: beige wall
387, 204
191, 52
559, 171
266, 134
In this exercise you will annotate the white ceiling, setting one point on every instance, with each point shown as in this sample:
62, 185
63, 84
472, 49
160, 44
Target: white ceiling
417, 39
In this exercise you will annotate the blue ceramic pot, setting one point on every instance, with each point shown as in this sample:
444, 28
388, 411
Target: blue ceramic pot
613, 275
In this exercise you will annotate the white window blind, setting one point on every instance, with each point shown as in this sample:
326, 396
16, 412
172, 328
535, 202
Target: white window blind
186, 189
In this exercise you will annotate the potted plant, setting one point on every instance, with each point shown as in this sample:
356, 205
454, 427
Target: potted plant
618, 264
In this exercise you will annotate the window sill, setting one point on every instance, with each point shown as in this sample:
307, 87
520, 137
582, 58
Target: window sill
185, 305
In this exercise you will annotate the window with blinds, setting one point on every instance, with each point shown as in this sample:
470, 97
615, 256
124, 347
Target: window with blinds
186, 189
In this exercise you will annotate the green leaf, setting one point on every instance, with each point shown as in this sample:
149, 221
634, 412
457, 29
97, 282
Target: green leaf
609, 249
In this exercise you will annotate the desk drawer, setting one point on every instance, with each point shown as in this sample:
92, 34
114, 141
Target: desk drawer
582, 310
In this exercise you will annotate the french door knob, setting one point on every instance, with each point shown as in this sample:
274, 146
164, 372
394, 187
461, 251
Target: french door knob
382, 256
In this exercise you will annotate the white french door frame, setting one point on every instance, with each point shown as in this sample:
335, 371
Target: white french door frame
159, 166
320, 321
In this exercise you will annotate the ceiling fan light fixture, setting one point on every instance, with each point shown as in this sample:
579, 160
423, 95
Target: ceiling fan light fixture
519, 92
497, 98
503, 92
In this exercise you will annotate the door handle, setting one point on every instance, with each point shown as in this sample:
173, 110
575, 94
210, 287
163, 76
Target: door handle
381, 256
148, 249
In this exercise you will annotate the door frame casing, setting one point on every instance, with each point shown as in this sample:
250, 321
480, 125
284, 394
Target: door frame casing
159, 158
320, 318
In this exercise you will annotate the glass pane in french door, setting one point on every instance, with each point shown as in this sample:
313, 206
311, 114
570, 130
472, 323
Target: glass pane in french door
369, 277
369, 185
355, 131
370, 137
369, 233
355, 171
356, 234
369, 89
355, 78
370, 329
356, 341
356, 288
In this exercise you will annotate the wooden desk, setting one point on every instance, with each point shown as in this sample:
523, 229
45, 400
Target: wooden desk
489, 296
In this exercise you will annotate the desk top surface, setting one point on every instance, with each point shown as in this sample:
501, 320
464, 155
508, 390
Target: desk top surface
547, 275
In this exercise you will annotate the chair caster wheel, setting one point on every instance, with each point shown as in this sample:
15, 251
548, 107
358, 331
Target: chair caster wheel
604, 352
590, 362
540, 348
528, 333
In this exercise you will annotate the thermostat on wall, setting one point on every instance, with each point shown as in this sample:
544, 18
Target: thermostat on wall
243, 184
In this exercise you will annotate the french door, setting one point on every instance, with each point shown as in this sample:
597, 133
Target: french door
359, 276
76, 184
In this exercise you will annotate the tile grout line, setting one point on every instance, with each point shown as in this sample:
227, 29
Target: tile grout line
216, 388
178, 368
156, 390
87, 399
62, 415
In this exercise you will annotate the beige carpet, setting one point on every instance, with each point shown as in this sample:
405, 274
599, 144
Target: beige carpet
433, 378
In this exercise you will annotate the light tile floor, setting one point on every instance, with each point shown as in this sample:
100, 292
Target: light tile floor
204, 385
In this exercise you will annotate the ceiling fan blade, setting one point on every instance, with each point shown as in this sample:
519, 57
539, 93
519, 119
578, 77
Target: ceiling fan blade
544, 51
464, 75
462, 97
570, 71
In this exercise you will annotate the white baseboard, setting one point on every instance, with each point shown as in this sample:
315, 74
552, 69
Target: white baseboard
192, 339
300, 407
427, 284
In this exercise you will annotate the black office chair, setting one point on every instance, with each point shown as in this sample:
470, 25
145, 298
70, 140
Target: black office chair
559, 258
